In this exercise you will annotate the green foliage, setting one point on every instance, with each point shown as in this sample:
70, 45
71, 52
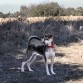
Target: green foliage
79, 11
1, 15
23, 11
4, 15
48, 9
69, 11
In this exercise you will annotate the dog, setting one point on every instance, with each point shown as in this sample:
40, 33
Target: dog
46, 50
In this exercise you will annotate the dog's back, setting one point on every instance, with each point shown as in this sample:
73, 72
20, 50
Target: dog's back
38, 48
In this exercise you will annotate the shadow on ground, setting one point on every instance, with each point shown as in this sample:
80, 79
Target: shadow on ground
10, 72
60, 55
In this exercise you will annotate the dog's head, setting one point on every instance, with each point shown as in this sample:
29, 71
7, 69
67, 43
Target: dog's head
48, 39
48, 36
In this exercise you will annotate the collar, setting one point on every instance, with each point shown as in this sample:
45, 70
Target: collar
52, 46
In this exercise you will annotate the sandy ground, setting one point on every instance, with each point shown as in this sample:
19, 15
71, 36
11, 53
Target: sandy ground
73, 55
68, 67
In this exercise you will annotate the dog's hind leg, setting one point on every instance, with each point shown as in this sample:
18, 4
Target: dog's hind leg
28, 62
22, 67
31, 60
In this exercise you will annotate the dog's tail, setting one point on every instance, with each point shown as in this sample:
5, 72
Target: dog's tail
29, 41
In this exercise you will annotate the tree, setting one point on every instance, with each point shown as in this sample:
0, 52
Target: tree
1, 15
48, 9
69, 11
23, 11
79, 11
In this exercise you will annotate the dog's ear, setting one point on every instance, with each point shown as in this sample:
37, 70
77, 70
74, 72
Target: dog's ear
50, 36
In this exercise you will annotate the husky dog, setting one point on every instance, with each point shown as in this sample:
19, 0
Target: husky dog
46, 50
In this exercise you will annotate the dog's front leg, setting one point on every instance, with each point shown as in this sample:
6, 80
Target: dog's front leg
52, 62
46, 63
47, 70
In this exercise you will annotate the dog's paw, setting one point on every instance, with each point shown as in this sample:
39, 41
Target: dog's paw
48, 74
22, 70
53, 73
31, 70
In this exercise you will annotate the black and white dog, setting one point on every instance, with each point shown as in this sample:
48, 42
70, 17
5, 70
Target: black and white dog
46, 50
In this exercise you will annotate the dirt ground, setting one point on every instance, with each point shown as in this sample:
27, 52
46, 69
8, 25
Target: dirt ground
68, 67
73, 56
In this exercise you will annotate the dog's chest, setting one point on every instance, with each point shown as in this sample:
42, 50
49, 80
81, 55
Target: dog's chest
50, 52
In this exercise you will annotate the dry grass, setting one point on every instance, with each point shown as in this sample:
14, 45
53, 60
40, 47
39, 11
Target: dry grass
73, 54
42, 19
